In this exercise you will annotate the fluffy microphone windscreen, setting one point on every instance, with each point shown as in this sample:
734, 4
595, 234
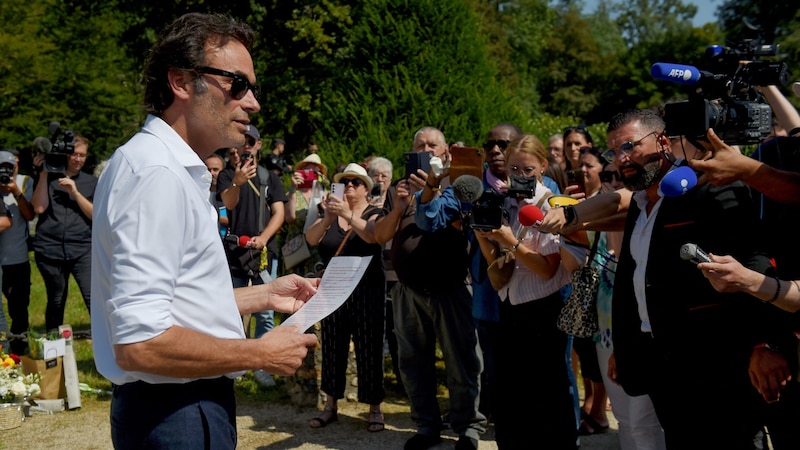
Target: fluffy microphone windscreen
468, 188
678, 181
530, 216
243, 241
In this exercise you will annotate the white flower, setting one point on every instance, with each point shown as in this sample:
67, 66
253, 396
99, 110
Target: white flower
18, 388
3, 391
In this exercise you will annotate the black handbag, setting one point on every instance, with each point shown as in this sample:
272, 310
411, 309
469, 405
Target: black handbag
244, 262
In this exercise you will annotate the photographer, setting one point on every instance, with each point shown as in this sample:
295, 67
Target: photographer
16, 191
63, 239
255, 199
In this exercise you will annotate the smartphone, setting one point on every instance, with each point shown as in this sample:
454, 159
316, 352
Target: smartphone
337, 190
309, 177
466, 161
576, 178
245, 157
417, 160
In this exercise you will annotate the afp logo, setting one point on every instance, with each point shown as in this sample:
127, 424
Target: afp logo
684, 74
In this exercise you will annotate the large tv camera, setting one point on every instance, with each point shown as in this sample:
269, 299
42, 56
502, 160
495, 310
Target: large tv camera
56, 149
726, 98
487, 211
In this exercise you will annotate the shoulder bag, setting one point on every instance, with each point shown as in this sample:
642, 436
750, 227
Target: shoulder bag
579, 315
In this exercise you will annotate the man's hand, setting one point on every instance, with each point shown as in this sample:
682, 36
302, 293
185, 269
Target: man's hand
68, 184
612, 369
728, 275
769, 373
290, 292
286, 347
723, 164
245, 171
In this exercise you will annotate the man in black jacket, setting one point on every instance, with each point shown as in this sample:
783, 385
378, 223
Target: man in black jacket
675, 338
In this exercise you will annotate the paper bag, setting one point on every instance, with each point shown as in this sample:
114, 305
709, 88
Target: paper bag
51, 372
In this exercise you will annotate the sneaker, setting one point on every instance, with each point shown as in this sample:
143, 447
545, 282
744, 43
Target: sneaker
263, 378
421, 442
466, 443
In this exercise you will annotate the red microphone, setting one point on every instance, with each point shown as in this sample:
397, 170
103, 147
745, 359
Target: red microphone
530, 216
244, 241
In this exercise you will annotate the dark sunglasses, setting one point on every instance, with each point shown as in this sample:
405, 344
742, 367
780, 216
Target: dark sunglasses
577, 128
608, 176
626, 148
356, 182
501, 144
240, 84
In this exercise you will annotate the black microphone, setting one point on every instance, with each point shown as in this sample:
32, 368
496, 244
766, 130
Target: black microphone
692, 253
42, 145
468, 188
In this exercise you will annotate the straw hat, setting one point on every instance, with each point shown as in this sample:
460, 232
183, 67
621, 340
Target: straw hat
312, 159
354, 170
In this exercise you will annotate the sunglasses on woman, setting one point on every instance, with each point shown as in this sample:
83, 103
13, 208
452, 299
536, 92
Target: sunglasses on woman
356, 182
240, 84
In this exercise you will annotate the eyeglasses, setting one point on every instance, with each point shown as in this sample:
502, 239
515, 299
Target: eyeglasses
577, 128
249, 142
240, 84
78, 155
608, 176
356, 182
626, 148
527, 171
501, 144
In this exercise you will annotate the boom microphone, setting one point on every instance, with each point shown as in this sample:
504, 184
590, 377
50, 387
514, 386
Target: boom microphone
468, 188
680, 73
678, 181
42, 145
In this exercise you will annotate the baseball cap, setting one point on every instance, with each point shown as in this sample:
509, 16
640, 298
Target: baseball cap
252, 132
7, 157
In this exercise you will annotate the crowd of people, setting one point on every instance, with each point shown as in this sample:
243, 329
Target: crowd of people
685, 355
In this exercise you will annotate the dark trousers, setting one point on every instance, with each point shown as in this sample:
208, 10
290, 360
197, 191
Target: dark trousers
55, 273
197, 415
17, 289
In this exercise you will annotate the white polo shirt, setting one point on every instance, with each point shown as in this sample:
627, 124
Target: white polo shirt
157, 257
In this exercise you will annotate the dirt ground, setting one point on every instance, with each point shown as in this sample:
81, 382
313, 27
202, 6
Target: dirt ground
271, 426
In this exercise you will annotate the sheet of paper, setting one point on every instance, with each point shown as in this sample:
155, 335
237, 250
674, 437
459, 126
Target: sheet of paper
341, 277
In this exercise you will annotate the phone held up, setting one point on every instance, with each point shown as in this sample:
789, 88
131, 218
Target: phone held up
245, 157
337, 190
576, 178
417, 160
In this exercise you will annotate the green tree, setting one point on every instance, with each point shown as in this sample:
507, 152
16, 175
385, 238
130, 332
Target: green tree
413, 63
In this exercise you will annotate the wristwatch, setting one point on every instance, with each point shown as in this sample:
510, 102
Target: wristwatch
569, 214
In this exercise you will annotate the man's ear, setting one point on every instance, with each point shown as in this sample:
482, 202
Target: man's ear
181, 83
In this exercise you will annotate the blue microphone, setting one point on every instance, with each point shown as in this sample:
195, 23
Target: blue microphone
677, 73
678, 181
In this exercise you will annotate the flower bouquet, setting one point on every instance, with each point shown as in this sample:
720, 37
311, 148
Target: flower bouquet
15, 388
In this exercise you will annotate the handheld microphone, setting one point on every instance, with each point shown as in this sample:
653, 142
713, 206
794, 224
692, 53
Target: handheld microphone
680, 73
530, 216
244, 241
468, 188
692, 253
678, 181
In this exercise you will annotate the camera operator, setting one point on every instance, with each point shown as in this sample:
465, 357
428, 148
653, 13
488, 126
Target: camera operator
63, 240
16, 191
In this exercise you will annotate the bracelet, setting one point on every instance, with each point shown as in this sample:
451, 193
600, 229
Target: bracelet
18, 196
777, 290
234, 184
570, 215
514, 247
432, 187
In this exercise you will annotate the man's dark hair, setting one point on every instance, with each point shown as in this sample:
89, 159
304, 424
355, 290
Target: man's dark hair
277, 142
649, 119
182, 46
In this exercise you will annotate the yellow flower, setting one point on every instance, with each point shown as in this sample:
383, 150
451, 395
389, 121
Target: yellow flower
8, 362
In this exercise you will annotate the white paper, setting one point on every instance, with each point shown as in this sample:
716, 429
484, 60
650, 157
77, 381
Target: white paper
341, 277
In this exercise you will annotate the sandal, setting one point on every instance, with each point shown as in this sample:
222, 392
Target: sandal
375, 422
590, 426
325, 417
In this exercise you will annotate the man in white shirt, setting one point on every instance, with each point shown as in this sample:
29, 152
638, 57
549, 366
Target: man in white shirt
166, 323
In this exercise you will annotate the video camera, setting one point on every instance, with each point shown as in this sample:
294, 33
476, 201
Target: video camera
726, 100
56, 149
487, 212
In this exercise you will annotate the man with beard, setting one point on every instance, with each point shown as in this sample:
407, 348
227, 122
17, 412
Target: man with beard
675, 338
